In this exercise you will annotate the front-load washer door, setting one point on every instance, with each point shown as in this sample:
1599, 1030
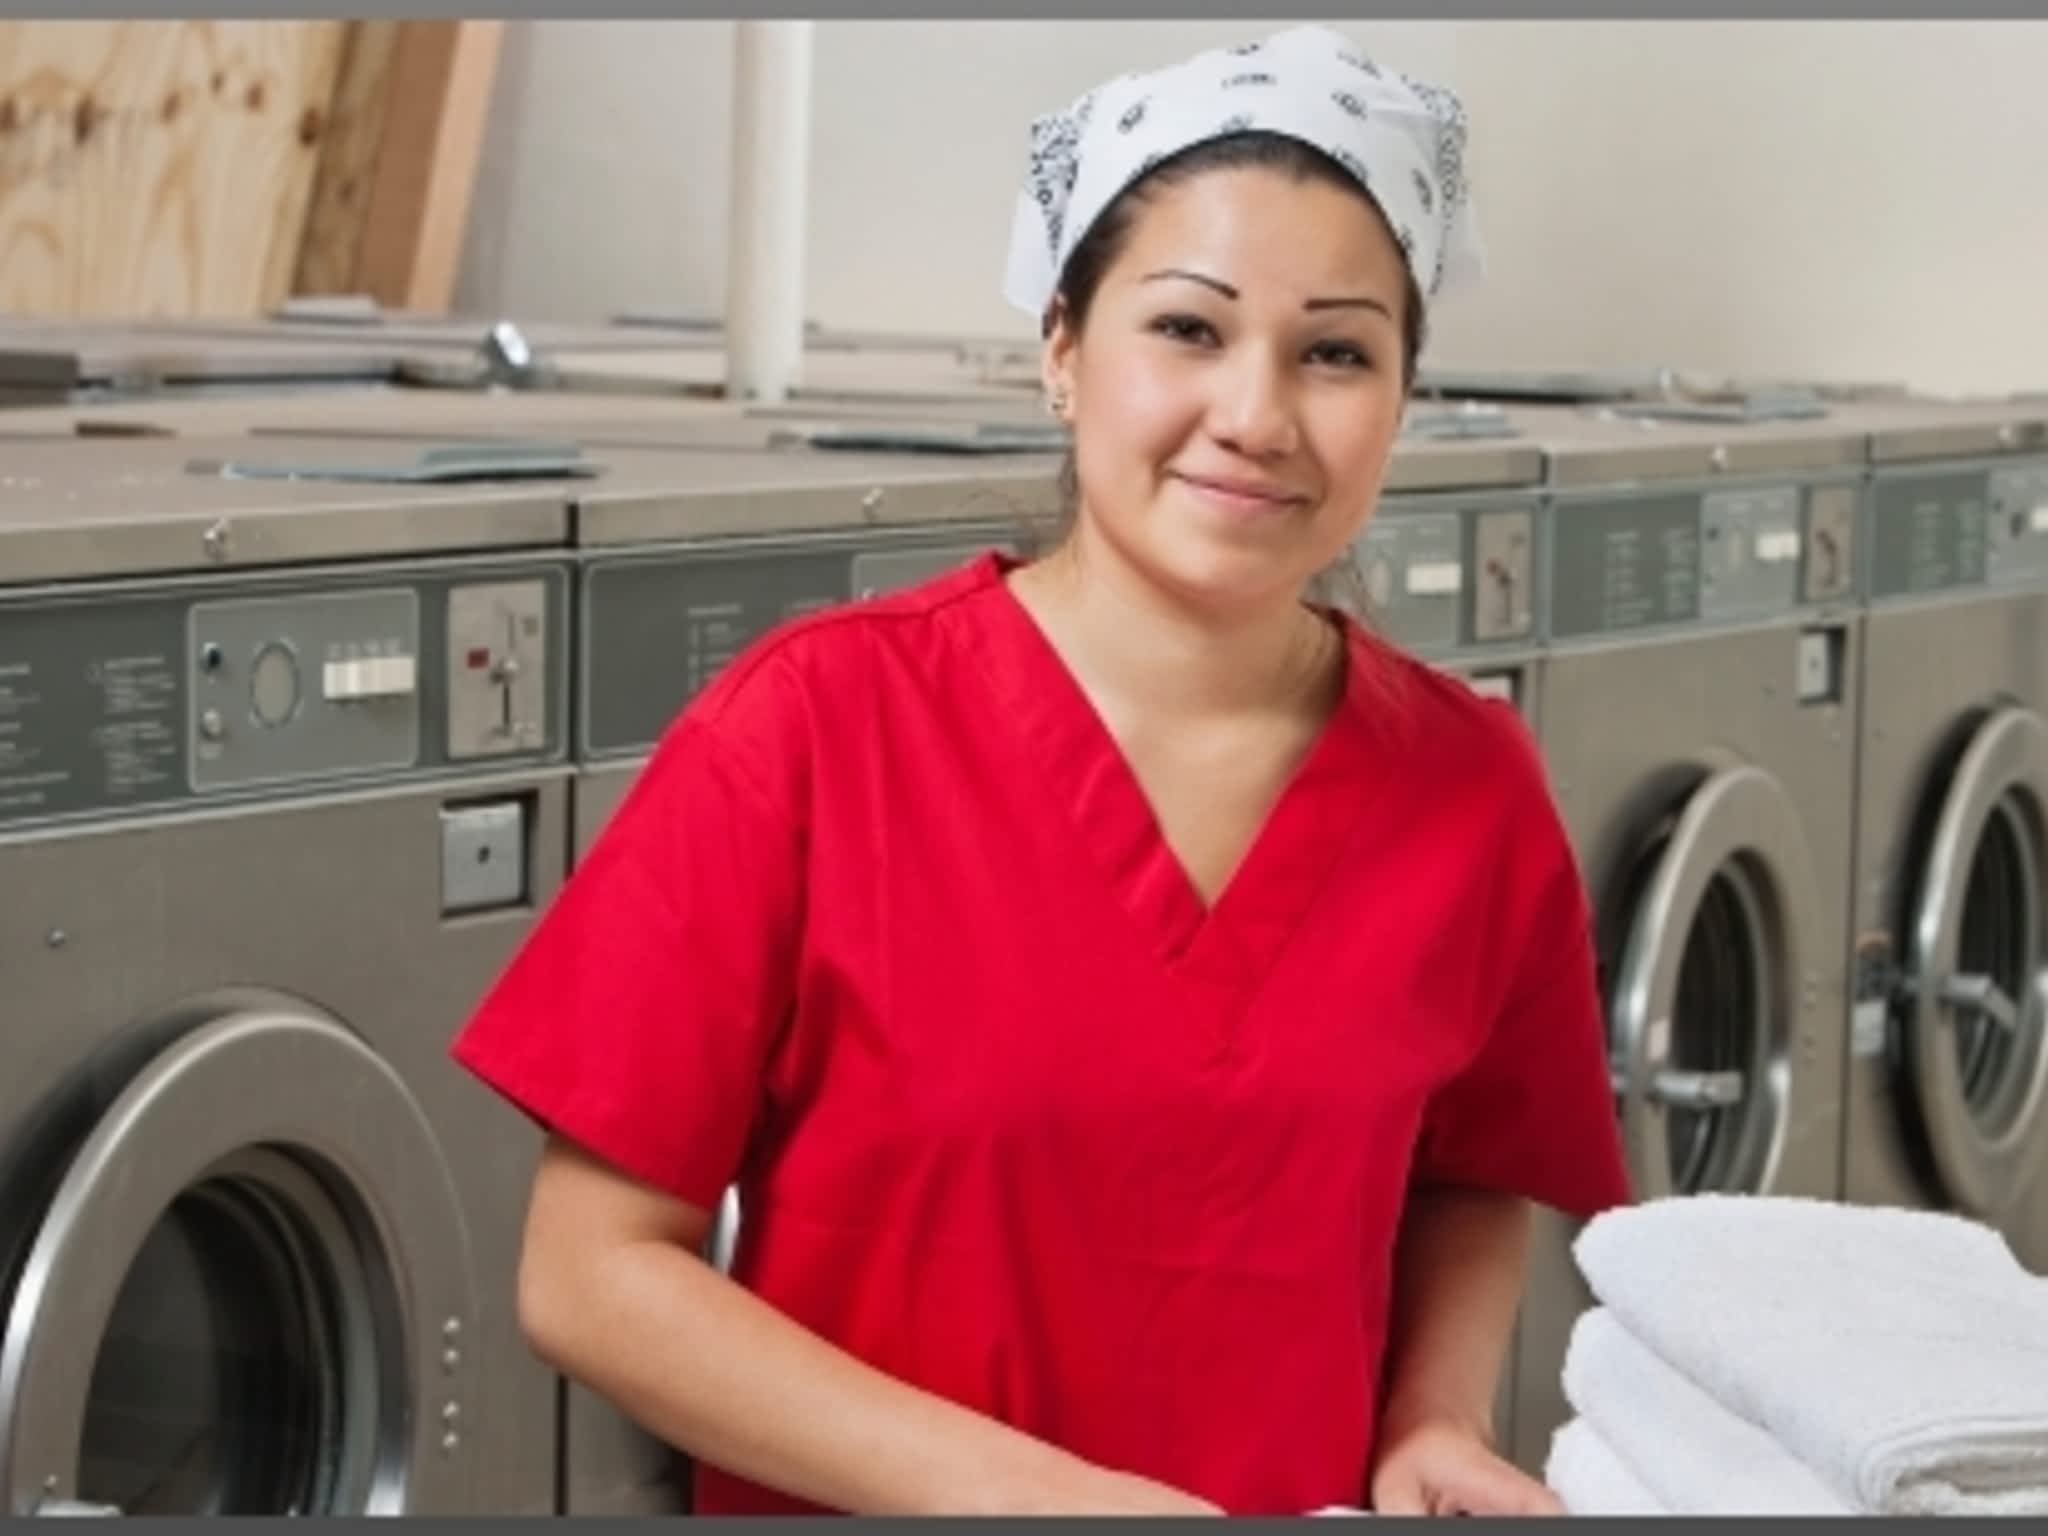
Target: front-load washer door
245, 1292
1723, 924
1971, 1049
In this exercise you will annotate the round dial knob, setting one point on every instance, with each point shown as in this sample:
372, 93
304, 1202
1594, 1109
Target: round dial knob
274, 684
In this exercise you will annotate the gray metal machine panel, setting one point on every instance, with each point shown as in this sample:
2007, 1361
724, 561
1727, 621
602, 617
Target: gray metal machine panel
1431, 455
62, 358
1934, 666
910, 374
1699, 619
395, 411
1957, 524
389, 331
1915, 430
341, 903
1448, 573
138, 506
1640, 386
1675, 554
653, 496
1627, 731
674, 424
1594, 447
124, 699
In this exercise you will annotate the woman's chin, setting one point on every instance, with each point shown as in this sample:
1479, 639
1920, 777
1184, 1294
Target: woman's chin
1230, 574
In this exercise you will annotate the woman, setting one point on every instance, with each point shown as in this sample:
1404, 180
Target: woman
1135, 1004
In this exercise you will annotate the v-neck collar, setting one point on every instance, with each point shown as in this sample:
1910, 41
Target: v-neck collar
1232, 944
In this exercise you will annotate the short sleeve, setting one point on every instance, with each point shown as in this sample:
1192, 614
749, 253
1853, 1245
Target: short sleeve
638, 1018
1532, 1112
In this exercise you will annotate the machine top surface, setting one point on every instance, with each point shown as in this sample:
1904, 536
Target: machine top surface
1461, 447
374, 408
66, 355
1916, 430
1600, 446
147, 505
694, 485
906, 372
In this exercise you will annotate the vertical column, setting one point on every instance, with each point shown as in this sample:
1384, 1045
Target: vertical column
770, 187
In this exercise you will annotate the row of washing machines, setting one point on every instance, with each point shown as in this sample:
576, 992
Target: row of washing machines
314, 685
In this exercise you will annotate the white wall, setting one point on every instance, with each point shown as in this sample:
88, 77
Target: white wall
1856, 199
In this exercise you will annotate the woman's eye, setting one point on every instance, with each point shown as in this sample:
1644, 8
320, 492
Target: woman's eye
1340, 354
1184, 328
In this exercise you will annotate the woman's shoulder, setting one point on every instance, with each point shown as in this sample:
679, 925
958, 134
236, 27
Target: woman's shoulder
1449, 725
834, 664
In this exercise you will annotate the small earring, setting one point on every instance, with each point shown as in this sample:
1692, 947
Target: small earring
1057, 405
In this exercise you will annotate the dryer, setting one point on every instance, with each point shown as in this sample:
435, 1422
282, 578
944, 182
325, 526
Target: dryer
1698, 721
283, 781
1947, 1076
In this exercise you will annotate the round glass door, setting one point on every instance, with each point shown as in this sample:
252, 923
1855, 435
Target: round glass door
1974, 1047
1721, 917
232, 1300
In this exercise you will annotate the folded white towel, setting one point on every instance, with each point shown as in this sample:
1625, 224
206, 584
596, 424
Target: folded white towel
1692, 1454
1590, 1479
1903, 1355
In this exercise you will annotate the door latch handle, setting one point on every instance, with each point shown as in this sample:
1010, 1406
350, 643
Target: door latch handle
1980, 994
1698, 1090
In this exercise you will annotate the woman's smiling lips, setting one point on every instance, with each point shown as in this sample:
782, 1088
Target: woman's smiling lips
1246, 496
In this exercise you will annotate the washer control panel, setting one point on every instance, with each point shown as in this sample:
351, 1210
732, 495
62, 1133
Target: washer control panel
118, 699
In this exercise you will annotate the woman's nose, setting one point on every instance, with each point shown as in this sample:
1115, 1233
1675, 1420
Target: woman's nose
1254, 410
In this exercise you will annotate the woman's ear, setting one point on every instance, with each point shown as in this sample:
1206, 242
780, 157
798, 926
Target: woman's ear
1057, 367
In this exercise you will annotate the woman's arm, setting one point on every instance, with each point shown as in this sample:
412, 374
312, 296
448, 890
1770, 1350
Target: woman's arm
612, 1293
1457, 1282
1457, 1285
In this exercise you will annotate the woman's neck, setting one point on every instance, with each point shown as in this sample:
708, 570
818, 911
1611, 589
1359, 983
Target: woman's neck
1129, 640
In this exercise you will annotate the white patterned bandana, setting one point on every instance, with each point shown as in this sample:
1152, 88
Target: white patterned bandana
1403, 140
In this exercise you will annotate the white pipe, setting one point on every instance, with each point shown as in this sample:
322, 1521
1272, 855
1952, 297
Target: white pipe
771, 145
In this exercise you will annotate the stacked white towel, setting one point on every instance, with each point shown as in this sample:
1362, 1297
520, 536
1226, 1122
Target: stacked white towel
1591, 1478
1783, 1356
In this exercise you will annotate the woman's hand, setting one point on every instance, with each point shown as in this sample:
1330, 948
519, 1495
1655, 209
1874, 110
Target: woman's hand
1444, 1468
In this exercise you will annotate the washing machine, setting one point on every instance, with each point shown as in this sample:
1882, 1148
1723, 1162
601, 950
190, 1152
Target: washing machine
283, 782
1947, 1077
1698, 721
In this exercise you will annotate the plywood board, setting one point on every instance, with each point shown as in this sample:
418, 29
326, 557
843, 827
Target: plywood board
391, 203
158, 167
331, 251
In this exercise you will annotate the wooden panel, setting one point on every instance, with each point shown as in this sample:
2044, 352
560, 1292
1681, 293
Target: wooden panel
396, 182
331, 252
157, 167
433, 139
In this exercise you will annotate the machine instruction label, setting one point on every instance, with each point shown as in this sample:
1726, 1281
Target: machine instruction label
1623, 564
1929, 532
90, 701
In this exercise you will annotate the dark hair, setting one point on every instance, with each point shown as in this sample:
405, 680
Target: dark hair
1097, 251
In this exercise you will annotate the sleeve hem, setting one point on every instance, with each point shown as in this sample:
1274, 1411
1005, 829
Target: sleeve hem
1575, 1199
581, 1119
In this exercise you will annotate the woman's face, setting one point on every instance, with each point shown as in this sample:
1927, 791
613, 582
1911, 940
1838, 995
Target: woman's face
1236, 388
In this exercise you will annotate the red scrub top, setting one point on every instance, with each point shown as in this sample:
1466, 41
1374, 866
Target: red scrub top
886, 932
